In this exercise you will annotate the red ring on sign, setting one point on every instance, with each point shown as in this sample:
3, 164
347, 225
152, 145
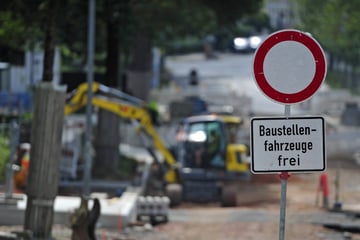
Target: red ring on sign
319, 59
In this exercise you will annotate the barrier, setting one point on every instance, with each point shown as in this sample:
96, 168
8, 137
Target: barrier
324, 188
153, 209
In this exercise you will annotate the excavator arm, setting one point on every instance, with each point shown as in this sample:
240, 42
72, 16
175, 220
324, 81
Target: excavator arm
126, 107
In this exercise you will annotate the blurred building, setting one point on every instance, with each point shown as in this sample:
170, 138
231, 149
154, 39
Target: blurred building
19, 72
281, 13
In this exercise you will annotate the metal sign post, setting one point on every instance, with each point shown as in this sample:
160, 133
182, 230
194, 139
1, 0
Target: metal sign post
284, 176
289, 67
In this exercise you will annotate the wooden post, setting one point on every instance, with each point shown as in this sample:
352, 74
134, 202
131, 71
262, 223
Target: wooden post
43, 179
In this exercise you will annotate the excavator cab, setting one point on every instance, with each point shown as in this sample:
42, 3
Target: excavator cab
205, 145
210, 159
210, 142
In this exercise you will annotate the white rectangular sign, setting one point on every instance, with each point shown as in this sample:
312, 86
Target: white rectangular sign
287, 144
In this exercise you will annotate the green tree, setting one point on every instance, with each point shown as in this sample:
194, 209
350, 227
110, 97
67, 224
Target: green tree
20, 28
335, 24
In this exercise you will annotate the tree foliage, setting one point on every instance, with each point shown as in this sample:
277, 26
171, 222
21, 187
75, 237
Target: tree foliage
335, 23
227, 13
20, 27
22, 22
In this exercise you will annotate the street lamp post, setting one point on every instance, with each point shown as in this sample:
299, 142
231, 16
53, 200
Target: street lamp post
90, 78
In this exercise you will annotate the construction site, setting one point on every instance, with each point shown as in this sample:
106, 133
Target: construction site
176, 183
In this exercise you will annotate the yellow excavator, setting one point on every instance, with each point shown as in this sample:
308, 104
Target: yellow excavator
126, 107
205, 163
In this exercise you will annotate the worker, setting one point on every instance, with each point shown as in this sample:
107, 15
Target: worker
209, 42
214, 142
23, 162
193, 77
154, 112
199, 156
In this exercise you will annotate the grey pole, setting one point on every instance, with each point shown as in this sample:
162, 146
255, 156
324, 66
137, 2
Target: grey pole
90, 78
284, 177
14, 131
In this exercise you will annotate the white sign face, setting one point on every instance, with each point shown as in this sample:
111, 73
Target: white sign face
293, 144
289, 66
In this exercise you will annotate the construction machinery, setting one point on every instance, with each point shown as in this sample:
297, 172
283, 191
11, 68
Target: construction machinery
203, 165
129, 108
212, 163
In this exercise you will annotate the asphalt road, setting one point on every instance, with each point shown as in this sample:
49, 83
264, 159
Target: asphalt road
228, 79
227, 75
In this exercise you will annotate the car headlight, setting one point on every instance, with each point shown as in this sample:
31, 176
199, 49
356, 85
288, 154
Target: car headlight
240, 43
254, 42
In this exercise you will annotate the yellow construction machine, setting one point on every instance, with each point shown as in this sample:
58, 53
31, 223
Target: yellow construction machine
203, 165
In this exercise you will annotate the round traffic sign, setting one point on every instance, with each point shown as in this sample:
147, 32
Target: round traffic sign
289, 66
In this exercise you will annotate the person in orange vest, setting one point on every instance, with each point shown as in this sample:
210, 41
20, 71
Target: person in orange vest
23, 162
